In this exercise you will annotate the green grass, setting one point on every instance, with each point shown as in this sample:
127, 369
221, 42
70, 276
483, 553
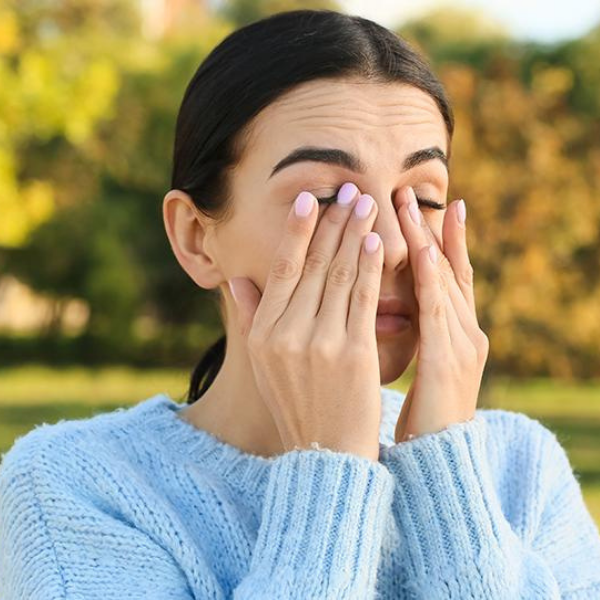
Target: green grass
35, 395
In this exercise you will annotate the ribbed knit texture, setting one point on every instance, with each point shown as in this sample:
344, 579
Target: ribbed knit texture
138, 503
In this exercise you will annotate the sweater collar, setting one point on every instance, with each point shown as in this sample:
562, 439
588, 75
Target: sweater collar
200, 448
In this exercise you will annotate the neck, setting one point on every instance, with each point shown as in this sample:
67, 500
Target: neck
232, 408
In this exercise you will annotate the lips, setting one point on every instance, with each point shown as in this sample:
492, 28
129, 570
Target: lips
393, 306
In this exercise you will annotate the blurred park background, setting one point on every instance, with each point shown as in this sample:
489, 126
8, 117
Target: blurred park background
95, 312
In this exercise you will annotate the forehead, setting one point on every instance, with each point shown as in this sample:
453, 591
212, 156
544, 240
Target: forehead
379, 121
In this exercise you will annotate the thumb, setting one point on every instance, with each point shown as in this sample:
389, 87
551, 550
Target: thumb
247, 297
401, 424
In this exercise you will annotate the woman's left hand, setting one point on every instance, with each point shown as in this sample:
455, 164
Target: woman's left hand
452, 348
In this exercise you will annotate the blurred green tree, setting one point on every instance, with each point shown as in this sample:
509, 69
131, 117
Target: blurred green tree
59, 81
526, 159
85, 155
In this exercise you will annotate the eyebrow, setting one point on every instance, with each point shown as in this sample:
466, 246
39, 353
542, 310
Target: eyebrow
336, 156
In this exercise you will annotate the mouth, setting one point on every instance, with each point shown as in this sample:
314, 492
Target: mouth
393, 316
393, 306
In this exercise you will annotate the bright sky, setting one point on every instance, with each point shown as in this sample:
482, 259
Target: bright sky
541, 20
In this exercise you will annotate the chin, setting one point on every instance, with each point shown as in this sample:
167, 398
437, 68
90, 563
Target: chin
394, 358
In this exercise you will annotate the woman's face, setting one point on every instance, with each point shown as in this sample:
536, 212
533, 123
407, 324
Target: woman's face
395, 131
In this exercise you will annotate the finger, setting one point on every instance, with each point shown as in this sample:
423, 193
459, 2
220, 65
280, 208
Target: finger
457, 302
399, 433
306, 299
247, 299
418, 235
458, 326
458, 335
343, 272
435, 341
411, 231
455, 249
362, 316
287, 264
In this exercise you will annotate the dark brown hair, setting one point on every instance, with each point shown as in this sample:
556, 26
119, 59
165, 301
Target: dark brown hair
246, 72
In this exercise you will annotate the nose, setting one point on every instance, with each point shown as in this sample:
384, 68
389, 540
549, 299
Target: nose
387, 225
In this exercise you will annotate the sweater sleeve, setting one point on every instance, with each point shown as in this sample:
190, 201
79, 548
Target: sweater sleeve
456, 541
320, 535
322, 525
58, 544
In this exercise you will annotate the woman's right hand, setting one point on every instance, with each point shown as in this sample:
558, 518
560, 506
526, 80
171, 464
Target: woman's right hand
311, 336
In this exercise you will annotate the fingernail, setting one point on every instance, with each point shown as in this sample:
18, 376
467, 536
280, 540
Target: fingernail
363, 206
415, 213
433, 254
232, 290
346, 193
461, 212
372, 242
304, 204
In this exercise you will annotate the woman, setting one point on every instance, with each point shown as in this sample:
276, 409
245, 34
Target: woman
291, 473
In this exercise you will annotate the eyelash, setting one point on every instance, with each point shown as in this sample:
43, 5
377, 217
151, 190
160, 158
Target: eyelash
422, 201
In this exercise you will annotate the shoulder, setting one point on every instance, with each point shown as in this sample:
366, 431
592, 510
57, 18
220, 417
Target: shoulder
520, 447
68, 446
78, 498
517, 432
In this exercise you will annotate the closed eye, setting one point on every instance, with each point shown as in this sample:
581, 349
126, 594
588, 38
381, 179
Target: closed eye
421, 201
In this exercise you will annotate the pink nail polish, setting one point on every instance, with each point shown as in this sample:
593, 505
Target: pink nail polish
304, 203
461, 212
433, 254
363, 206
415, 213
231, 287
372, 242
346, 193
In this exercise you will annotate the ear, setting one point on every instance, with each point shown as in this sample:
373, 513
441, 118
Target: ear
187, 230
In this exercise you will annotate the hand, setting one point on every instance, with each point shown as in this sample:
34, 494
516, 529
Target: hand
452, 349
311, 336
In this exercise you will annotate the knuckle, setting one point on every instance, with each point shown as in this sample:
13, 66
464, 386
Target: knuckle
466, 274
342, 273
469, 353
284, 268
286, 345
365, 295
358, 352
437, 310
483, 343
443, 285
371, 267
316, 262
323, 349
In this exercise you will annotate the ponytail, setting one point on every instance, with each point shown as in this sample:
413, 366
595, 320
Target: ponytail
207, 369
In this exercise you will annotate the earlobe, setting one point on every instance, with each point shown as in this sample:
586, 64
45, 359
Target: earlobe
186, 231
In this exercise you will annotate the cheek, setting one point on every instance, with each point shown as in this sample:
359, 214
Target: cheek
251, 245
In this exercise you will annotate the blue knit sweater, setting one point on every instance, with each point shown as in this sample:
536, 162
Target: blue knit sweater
138, 503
